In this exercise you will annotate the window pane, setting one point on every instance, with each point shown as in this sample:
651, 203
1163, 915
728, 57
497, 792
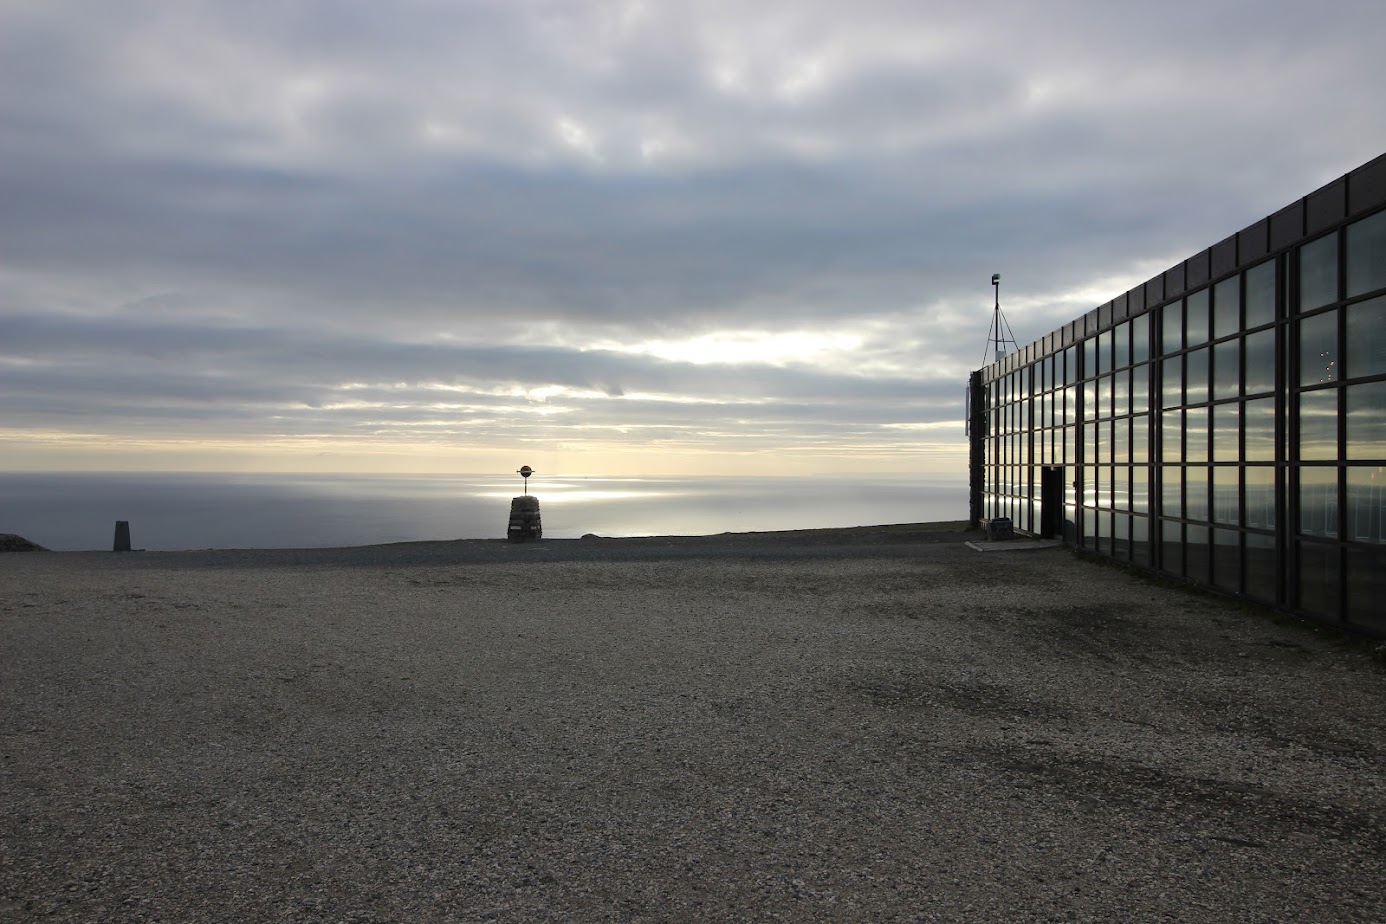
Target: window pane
1227, 559
1172, 547
1104, 396
1260, 362
1366, 421
1089, 399
1366, 587
1318, 273
1090, 358
1196, 376
1366, 255
1140, 439
1196, 492
1121, 347
1262, 568
1318, 502
1171, 491
1318, 349
1140, 489
1227, 427
1227, 307
1260, 294
1102, 434
1171, 436
1121, 441
1196, 318
1172, 328
1121, 394
1366, 503
1140, 339
1226, 504
1260, 496
1366, 338
1140, 389
1258, 422
1196, 434
1318, 579
1196, 552
1140, 540
1070, 365
1172, 371
1226, 373
1318, 424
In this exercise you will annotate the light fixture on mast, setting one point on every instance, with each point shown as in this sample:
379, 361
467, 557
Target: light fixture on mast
1000, 332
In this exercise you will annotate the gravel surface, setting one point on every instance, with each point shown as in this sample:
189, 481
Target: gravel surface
773, 728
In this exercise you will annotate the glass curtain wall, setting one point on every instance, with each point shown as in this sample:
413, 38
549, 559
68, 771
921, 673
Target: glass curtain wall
1234, 435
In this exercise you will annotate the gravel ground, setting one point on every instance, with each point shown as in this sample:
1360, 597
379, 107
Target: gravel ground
850, 726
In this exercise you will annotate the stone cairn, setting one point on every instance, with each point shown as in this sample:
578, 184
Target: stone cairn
524, 514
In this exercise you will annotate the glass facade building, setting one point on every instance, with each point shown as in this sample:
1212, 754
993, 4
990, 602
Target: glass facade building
1223, 423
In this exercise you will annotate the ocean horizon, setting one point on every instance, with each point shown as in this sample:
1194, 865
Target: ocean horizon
174, 511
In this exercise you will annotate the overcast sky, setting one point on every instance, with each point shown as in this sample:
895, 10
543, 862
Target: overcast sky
619, 237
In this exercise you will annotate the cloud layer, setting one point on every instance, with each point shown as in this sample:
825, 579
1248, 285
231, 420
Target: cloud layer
251, 234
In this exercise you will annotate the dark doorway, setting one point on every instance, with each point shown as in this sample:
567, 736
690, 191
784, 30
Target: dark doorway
1051, 501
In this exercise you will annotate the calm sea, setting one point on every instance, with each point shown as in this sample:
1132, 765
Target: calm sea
72, 511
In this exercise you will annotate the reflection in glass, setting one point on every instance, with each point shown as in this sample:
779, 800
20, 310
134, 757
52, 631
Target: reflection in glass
1260, 496
1366, 338
1070, 452
1318, 502
1262, 569
1121, 441
1227, 427
1140, 439
1172, 372
1070, 366
1104, 396
1121, 487
1260, 294
1366, 255
1121, 394
1089, 357
1090, 399
1140, 339
1089, 486
1366, 503
1140, 540
1227, 307
1258, 423
1227, 559
1226, 504
1260, 362
1318, 579
1104, 349
1366, 420
1172, 327
1226, 374
1196, 318
1196, 434
1140, 489
1366, 587
1071, 404
1102, 442
1318, 424
1195, 493
1196, 376
1121, 537
1102, 485
1318, 349
1318, 273
1172, 546
1171, 433
1196, 552
1140, 389
1171, 491
1121, 346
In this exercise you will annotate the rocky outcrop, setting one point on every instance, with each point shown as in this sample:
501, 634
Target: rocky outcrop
9, 542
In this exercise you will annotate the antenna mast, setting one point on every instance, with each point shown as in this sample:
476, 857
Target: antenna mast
1000, 332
